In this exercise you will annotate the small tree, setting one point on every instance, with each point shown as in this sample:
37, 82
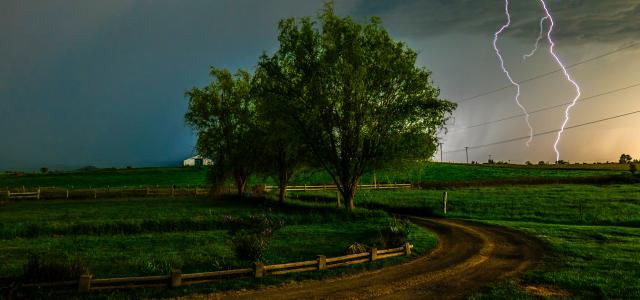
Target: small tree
223, 115
541, 163
44, 170
632, 168
625, 158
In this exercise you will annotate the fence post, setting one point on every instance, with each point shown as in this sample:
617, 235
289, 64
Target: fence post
444, 202
84, 283
38, 195
95, 193
176, 278
305, 187
147, 191
258, 269
338, 197
407, 249
67, 194
373, 255
173, 191
322, 262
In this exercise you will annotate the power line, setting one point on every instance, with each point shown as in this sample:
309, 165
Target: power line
543, 133
548, 107
549, 73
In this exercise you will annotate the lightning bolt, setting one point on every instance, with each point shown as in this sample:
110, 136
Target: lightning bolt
566, 74
506, 72
535, 48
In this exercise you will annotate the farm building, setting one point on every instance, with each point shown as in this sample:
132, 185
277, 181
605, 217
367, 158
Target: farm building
196, 161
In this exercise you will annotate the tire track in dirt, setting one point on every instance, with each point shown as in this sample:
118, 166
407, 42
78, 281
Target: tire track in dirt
469, 257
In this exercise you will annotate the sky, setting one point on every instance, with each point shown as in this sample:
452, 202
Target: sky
88, 82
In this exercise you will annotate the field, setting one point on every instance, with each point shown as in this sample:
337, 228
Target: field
420, 172
137, 237
592, 230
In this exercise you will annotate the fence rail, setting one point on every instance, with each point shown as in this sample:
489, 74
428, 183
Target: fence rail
87, 283
106, 192
333, 187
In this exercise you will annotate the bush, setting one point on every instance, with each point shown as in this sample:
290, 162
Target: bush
51, 268
395, 234
250, 246
632, 168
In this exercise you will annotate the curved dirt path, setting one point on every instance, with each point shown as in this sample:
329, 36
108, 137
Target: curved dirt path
469, 256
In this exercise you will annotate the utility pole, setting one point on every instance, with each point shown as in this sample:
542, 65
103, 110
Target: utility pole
489, 158
440, 144
466, 150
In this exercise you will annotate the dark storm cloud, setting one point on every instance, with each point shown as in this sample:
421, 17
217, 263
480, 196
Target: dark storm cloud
577, 21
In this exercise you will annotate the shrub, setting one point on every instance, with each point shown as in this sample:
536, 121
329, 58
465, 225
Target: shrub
632, 168
51, 268
250, 246
356, 248
395, 234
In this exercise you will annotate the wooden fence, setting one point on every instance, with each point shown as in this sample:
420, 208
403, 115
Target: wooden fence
176, 279
166, 191
333, 187
106, 192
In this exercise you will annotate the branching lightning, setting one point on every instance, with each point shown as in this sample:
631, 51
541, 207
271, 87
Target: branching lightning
506, 72
535, 48
566, 74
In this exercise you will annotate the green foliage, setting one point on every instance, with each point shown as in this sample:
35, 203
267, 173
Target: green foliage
395, 234
625, 158
632, 168
355, 96
250, 246
223, 115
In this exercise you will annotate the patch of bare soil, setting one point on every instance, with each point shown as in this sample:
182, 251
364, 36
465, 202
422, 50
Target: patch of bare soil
469, 257
546, 291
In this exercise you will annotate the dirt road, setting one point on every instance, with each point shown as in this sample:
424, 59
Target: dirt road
469, 257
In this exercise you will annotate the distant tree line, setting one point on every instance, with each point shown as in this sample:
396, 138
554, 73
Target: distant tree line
337, 94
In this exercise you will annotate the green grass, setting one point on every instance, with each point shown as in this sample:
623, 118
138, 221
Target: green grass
569, 204
590, 262
108, 177
419, 172
186, 233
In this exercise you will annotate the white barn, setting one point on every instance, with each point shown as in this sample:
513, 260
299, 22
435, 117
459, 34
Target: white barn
197, 161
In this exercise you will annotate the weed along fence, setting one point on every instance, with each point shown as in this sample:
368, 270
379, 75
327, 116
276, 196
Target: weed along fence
176, 279
105, 192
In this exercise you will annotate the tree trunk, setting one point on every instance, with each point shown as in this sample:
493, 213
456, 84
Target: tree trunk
283, 182
348, 195
241, 182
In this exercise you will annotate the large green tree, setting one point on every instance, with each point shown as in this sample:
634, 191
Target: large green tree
354, 95
283, 152
223, 115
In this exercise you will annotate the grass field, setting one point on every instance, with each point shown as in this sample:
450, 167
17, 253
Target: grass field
592, 230
128, 237
421, 172
588, 262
